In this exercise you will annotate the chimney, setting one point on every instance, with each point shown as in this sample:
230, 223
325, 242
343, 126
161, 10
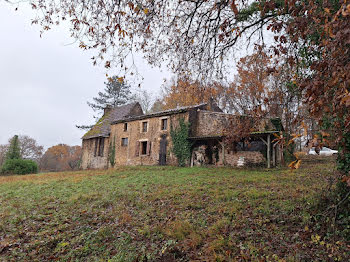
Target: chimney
107, 109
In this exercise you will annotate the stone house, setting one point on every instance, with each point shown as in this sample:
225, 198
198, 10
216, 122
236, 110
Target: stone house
95, 145
141, 139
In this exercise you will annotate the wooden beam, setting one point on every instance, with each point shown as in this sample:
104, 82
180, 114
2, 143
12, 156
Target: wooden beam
274, 155
192, 158
262, 139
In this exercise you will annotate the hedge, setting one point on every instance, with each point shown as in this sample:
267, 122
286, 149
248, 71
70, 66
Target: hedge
19, 167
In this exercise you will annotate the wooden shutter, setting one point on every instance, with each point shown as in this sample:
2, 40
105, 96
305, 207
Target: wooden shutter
149, 148
137, 149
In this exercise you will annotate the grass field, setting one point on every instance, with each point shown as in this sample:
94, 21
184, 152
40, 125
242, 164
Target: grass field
165, 214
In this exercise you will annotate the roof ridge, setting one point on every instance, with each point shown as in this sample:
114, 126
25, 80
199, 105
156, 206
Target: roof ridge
102, 127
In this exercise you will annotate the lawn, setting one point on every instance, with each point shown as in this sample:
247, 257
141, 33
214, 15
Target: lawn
165, 214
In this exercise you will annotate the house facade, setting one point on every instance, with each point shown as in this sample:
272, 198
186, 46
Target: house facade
141, 139
96, 142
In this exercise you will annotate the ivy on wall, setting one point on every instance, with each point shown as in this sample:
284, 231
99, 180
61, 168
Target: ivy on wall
181, 145
111, 153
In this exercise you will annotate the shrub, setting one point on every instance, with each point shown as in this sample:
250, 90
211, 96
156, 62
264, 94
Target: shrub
111, 153
19, 167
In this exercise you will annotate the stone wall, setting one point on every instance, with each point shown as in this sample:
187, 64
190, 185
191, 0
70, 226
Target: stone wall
209, 124
131, 154
249, 157
89, 160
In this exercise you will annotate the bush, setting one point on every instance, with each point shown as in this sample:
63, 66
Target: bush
19, 167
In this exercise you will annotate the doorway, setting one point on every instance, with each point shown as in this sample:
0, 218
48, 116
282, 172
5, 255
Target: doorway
162, 151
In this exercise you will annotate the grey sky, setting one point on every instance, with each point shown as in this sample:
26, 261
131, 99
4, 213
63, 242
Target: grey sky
45, 83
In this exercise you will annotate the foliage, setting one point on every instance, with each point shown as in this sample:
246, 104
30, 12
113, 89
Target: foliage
116, 93
14, 149
185, 92
61, 157
19, 167
29, 149
111, 153
199, 38
158, 213
181, 145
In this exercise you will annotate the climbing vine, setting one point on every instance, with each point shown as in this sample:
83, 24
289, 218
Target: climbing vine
111, 153
181, 145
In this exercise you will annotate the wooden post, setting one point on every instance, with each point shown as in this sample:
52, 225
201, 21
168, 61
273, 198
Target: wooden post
274, 155
223, 153
268, 151
192, 158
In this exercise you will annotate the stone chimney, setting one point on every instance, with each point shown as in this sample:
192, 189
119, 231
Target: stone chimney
107, 109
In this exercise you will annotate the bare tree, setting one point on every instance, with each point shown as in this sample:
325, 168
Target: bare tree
157, 106
145, 99
3, 150
30, 148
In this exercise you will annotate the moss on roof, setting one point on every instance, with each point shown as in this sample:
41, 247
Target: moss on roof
103, 126
97, 128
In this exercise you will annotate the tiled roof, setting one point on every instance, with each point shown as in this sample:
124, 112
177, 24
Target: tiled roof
161, 113
103, 126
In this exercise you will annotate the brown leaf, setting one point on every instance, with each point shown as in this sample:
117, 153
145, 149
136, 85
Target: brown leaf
234, 7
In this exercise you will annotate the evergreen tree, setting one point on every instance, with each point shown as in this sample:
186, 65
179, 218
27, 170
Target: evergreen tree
14, 150
116, 93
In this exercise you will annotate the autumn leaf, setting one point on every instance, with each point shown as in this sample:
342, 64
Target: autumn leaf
121, 79
295, 164
234, 7
146, 10
325, 134
346, 179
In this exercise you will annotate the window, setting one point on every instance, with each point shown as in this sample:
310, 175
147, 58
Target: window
125, 141
100, 144
96, 146
144, 126
164, 124
125, 127
143, 147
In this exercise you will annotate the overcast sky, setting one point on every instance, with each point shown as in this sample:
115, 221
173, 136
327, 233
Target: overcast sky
45, 82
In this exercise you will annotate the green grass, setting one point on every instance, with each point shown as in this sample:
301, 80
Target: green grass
165, 214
